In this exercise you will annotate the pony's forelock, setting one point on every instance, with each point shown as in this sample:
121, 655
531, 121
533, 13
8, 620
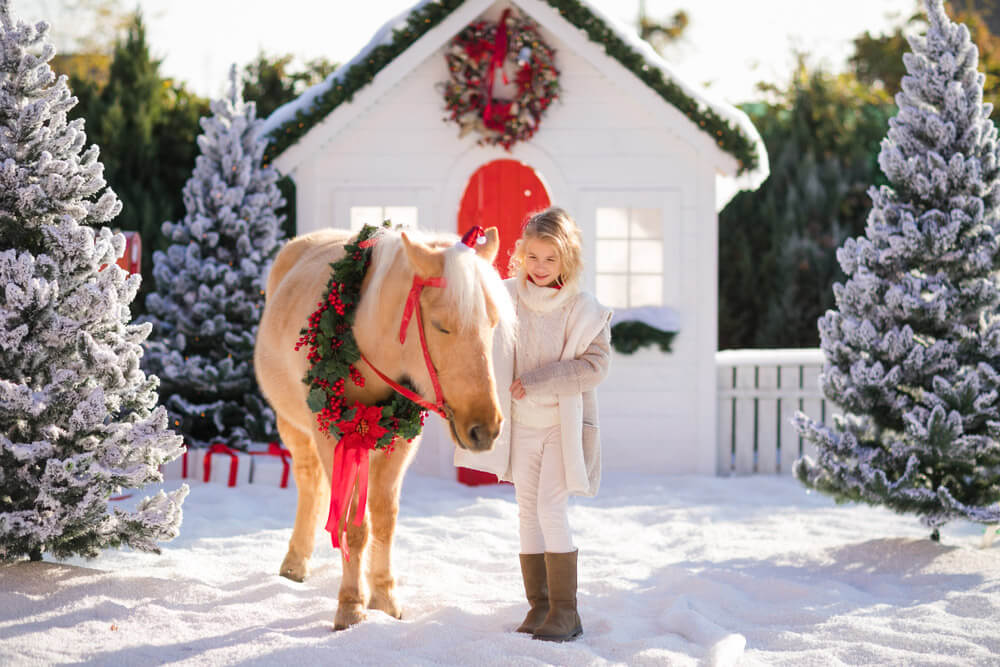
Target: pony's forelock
467, 277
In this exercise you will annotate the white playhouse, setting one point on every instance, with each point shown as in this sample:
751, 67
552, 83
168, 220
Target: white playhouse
576, 112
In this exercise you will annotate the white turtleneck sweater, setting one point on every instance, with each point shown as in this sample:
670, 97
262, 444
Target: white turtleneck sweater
542, 316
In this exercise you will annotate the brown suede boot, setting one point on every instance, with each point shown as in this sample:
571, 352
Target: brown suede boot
535, 589
562, 622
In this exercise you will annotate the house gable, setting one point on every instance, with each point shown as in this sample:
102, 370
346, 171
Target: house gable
386, 60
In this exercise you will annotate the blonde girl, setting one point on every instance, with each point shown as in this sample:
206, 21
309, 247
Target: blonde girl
549, 446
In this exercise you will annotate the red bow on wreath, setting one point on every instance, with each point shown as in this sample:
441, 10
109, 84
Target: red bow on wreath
495, 114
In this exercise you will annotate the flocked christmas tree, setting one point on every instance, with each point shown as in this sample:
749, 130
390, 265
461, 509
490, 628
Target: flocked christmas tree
210, 284
913, 349
78, 418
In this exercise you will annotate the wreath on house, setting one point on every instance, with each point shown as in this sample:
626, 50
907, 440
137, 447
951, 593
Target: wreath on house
477, 56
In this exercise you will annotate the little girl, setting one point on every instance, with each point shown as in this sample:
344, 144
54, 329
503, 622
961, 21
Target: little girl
549, 445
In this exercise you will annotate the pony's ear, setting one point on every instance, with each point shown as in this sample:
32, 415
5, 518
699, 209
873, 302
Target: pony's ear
488, 250
425, 261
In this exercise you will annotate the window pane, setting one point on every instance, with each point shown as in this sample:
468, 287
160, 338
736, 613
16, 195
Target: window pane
612, 290
612, 223
612, 256
402, 215
646, 223
365, 215
647, 256
645, 291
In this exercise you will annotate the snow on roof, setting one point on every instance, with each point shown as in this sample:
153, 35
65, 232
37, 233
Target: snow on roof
286, 112
748, 179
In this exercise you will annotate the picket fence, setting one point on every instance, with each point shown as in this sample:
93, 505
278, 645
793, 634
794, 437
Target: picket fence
758, 392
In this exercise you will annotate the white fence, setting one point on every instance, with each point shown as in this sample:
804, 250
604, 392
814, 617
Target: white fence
758, 392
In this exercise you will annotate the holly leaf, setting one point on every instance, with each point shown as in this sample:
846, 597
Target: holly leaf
317, 399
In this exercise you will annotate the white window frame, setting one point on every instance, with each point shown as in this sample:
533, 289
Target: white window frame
668, 202
342, 200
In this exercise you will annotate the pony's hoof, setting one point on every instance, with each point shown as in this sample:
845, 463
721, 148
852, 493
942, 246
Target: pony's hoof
386, 603
348, 615
295, 569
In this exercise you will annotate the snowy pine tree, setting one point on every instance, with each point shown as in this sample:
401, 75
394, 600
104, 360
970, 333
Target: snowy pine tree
913, 349
78, 418
210, 284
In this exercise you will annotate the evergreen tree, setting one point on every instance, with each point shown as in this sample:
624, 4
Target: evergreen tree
77, 415
913, 349
146, 126
270, 82
776, 259
210, 283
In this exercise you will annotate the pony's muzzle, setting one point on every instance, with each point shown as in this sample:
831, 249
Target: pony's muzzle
481, 437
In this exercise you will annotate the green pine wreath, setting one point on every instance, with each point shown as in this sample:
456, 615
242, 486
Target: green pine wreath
333, 355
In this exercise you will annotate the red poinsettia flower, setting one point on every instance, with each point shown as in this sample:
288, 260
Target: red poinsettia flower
364, 429
495, 115
477, 49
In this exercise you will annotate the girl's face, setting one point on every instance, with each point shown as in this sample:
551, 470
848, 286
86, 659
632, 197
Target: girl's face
541, 261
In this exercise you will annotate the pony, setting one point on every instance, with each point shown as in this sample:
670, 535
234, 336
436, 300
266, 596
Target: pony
459, 320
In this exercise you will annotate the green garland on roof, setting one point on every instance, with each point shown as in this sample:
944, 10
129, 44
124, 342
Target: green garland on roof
730, 139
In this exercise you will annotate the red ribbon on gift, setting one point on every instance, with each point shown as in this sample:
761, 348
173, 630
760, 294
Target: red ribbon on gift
275, 449
495, 115
350, 465
234, 461
184, 462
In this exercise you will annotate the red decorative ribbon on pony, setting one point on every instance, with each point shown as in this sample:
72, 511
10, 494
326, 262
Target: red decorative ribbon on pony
360, 434
350, 465
495, 114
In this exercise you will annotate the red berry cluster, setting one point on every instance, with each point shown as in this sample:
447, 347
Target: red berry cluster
333, 298
308, 337
356, 376
329, 415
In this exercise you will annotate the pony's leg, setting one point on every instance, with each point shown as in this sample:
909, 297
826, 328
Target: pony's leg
352, 596
308, 474
383, 506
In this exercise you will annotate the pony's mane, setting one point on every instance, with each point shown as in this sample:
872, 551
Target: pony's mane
467, 276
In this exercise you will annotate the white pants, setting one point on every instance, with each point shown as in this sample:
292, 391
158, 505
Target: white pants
540, 489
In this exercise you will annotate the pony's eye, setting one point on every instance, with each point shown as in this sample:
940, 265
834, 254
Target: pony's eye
440, 328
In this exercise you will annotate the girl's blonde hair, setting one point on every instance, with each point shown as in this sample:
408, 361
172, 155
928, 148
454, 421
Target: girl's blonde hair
557, 227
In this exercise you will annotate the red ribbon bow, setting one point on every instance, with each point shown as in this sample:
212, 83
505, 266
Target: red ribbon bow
495, 115
413, 302
234, 462
350, 464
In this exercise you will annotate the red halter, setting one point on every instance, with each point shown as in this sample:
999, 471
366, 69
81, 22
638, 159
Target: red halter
413, 305
474, 236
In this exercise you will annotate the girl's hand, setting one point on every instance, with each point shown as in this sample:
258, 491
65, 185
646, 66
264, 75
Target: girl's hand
517, 390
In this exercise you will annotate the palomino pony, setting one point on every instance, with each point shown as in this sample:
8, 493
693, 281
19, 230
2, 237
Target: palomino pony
459, 320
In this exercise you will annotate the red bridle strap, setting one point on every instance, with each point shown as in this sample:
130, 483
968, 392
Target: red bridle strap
413, 306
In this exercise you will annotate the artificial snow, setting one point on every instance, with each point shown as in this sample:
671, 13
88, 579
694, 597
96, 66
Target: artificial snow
673, 571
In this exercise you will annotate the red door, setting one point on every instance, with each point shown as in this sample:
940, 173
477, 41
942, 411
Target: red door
502, 194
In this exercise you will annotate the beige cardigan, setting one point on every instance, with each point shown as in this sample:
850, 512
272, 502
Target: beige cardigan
584, 363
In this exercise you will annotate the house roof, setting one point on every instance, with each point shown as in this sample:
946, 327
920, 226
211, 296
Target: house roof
729, 128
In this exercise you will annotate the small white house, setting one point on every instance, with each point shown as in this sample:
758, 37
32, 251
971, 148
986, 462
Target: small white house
642, 160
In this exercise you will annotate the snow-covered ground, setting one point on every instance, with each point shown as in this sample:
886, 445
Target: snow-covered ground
673, 570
